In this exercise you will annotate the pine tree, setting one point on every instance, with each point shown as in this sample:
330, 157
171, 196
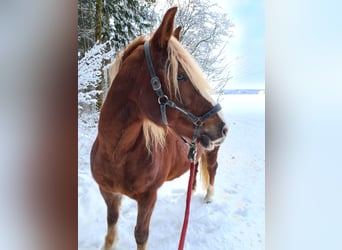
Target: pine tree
119, 21
86, 26
105, 27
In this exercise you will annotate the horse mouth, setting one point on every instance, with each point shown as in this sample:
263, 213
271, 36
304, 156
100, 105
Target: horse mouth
208, 143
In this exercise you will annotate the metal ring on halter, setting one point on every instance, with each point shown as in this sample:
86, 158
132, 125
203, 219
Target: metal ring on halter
163, 99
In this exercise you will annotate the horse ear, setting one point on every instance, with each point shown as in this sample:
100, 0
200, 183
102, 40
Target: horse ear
176, 32
163, 34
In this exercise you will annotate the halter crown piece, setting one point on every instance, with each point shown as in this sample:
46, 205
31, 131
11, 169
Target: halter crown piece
164, 101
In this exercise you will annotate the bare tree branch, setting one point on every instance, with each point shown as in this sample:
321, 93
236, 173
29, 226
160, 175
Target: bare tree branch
205, 31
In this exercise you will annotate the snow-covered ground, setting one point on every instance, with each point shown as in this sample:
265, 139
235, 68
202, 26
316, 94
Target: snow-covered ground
234, 221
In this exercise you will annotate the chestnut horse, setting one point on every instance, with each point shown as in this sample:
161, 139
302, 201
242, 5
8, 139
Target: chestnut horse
157, 100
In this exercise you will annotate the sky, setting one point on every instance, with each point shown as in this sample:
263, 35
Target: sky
246, 49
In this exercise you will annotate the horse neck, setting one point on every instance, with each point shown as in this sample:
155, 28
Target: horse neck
118, 116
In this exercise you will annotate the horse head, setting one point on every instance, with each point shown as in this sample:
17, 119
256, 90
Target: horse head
181, 88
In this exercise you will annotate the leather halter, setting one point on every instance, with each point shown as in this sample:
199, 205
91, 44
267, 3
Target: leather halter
164, 101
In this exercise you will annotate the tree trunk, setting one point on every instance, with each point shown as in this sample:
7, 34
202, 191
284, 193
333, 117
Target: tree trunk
98, 17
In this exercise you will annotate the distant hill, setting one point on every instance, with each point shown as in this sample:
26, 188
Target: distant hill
243, 91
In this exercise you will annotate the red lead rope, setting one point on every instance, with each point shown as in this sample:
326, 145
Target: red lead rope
187, 209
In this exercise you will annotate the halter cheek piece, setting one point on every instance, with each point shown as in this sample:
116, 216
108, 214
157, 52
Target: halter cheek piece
164, 101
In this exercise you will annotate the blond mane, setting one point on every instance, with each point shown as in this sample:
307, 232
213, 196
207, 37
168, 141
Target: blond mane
115, 66
154, 134
178, 54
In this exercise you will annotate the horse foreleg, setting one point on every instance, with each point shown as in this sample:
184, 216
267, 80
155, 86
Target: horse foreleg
212, 167
145, 207
209, 197
194, 185
113, 202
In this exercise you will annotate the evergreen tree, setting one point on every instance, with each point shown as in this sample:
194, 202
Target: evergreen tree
119, 21
86, 26
105, 27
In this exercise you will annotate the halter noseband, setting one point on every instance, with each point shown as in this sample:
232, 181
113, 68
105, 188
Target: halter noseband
164, 101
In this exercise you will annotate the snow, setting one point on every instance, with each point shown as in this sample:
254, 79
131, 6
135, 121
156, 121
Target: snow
235, 220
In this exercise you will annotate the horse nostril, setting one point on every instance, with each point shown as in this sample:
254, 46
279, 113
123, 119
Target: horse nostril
225, 130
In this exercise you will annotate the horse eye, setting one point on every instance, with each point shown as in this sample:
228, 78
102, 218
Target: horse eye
181, 77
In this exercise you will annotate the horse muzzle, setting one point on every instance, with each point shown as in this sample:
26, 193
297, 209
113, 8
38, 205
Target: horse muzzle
210, 140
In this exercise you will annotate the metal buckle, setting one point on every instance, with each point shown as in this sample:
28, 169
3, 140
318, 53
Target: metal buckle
155, 82
198, 122
192, 152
